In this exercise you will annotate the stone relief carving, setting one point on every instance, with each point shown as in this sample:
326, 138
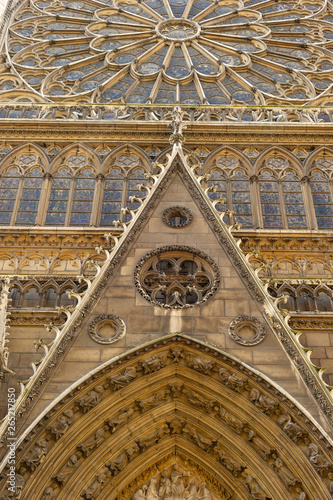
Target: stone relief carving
203, 442
287, 477
154, 400
112, 321
318, 460
202, 365
122, 460
293, 430
264, 448
229, 463
154, 364
48, 494
121, 379
256, 492
197, 400
91, 399
121, 419
153, 438
236, 383
264, 402
236, 326
231, 420
177, 484
68, 468
61, 426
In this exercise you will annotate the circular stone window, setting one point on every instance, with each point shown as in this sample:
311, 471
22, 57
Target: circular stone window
177, 216
176, 277
107, 328
246, 331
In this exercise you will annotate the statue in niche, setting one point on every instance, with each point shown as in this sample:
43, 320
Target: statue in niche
154, 364
154, 400
68, 468
318, 460
91, 399
93, 442
232, 380
256, 492
287, 477
95, 489
61, 426
36, 456
121, 379
231, 420
122, 418
265, 403
293, 430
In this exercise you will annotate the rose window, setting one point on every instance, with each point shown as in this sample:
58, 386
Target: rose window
171, 51
176, 277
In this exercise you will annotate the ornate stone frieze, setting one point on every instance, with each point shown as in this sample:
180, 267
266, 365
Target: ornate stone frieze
114, 326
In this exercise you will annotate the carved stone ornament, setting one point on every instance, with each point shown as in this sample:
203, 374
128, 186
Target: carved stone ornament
177, 216
110, 323
176, 277
248, 323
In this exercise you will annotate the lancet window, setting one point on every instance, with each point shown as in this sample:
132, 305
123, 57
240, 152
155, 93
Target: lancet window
322, 191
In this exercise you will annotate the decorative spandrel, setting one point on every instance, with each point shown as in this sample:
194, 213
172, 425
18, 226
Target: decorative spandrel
171, 51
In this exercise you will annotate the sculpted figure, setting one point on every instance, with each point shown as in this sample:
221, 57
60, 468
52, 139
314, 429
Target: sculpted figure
203, 493
256, 492
232, 380
318, 460
197, 400
287, 477
152, 490
93, 442
19, 484
36, 456
261, 444
231, 420
61, 426
154, 400
191, 490
122, 418
177, 482
122, 460
48, 494
91, 399
176, 387
165, 491
140, 494
202, 365
154, 363
229, 463
95, 489
121, 379
176, 353
265, 403
293, 430
176, 425
153, 438
68, 468
203, 442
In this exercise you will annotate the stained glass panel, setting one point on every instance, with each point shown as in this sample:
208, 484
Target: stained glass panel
83, 197
29, 201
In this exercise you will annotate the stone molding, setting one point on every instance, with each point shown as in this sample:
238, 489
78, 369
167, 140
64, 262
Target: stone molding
107, 319
246, 321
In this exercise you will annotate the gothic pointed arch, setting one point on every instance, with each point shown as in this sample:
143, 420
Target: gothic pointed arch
174, 413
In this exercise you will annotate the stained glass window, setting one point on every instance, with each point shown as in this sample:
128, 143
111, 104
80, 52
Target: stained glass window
140, 50
9, 185
322, 199
59, 196
83, 196
112, 197
269, 199
241, 198
293, 201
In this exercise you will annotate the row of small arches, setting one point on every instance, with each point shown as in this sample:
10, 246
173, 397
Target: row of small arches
44, 296
305, 299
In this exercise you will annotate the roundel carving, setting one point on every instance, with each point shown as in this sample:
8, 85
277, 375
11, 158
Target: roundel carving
247, 331
175, 415
177, 277
107, 329
177, 216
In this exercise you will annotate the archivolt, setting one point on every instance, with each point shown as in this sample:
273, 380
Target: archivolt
175, 401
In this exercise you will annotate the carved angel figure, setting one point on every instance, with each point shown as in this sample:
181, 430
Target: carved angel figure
202, 365
61, 426
93, 442
68, 468
121, 379
36, 456
231, 420
147, 441
265, 403
154, 363
95, 489
293, 430
256, 492
232, 380
91, 399
122, 418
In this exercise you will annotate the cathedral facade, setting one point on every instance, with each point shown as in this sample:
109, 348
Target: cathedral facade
166, 250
